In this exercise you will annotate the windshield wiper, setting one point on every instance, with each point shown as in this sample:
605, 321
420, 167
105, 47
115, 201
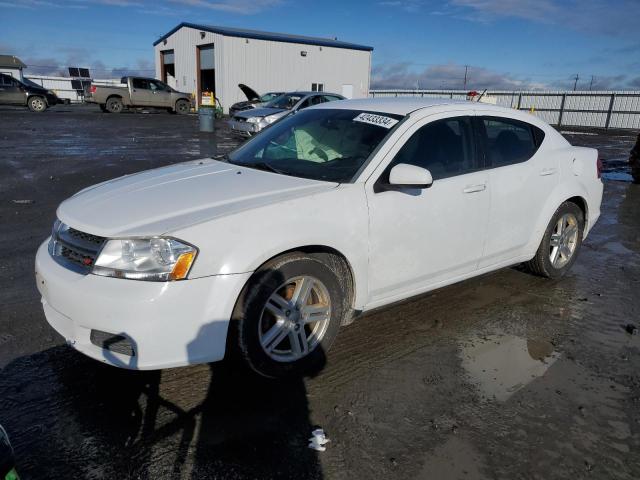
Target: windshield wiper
223, 157
265, 166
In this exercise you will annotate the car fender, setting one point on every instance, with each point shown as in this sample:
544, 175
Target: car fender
37, 94
335, 219
563, 192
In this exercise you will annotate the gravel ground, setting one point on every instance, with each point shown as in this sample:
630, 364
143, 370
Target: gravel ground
505, 376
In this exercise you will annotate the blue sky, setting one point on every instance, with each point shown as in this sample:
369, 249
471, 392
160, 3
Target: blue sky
418, 43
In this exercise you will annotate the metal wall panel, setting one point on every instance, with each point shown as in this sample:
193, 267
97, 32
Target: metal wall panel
266, 65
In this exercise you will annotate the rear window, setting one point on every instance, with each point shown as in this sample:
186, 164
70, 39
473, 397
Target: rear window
510, 141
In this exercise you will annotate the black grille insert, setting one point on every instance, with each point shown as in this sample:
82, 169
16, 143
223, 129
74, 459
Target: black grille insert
74, 249
113, 343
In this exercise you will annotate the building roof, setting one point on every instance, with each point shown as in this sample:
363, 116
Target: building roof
11, 61
258, 35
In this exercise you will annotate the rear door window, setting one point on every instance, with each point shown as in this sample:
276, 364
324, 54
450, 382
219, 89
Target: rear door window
509, 141
6, 80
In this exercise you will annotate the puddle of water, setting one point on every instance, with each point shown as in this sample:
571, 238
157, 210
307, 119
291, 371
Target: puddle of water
567, 132
500, 365
617, 176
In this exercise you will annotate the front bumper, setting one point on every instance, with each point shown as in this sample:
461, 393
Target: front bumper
167, 324
244, 129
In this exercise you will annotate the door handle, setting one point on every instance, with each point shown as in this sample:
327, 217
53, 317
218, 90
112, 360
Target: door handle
475, 188
548, 171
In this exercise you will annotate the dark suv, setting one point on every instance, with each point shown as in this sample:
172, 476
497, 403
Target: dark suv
15, 92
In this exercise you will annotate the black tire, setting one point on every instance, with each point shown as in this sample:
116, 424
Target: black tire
245, 336
541, 264
37, 104
114, 105
103, 107
182, 107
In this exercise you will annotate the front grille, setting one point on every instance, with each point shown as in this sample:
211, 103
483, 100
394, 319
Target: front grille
240, 119
86, 237
74, 249
111, 342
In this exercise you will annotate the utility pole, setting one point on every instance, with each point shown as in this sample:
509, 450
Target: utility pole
466, 69
591, 83
575, 84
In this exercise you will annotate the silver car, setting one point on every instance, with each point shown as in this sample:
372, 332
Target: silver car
250, 122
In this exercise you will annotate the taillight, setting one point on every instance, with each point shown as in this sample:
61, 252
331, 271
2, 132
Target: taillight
92, 89
599, 167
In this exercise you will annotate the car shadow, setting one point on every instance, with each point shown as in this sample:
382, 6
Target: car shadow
69, 416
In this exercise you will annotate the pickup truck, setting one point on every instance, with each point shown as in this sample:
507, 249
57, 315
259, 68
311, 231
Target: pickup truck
138, 92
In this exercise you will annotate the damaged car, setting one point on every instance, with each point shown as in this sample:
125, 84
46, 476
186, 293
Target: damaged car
253, 100
265, 253
250, 122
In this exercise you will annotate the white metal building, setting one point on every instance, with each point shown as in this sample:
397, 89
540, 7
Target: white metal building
11, 65
195, 58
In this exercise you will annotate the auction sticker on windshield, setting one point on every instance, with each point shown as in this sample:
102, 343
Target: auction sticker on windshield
379, 120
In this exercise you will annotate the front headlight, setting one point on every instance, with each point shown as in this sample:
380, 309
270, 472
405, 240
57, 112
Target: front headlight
254, 119
271, 118
154, 259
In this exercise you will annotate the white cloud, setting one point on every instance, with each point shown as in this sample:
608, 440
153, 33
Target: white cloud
162, 7
608, 17
244, 7
446, 76
450, 76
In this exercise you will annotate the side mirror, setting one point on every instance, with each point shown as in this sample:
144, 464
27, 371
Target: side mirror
410, 176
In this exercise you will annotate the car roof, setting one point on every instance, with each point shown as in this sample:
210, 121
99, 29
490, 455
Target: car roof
404, 106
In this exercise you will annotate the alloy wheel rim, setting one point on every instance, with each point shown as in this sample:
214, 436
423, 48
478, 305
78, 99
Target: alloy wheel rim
564, 240
295, 319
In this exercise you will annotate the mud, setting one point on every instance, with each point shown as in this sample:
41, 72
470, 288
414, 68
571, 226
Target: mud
505, 376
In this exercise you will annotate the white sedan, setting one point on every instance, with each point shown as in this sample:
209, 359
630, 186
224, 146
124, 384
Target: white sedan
339, 209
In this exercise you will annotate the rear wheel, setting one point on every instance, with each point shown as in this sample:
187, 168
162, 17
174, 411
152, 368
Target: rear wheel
37, 104
561, 243
182, 107
103, 107
288, 316
114, 105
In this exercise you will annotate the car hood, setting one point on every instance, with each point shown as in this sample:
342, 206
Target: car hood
260, 112
164, 200
246, 103
31, 89
249, 92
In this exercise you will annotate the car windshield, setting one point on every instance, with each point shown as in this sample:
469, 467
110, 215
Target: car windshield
267, 97
284, 102
320, 144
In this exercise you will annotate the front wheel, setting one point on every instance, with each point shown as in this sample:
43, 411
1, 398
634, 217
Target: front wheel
182, 107
561, 243
37, 104
288, 316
